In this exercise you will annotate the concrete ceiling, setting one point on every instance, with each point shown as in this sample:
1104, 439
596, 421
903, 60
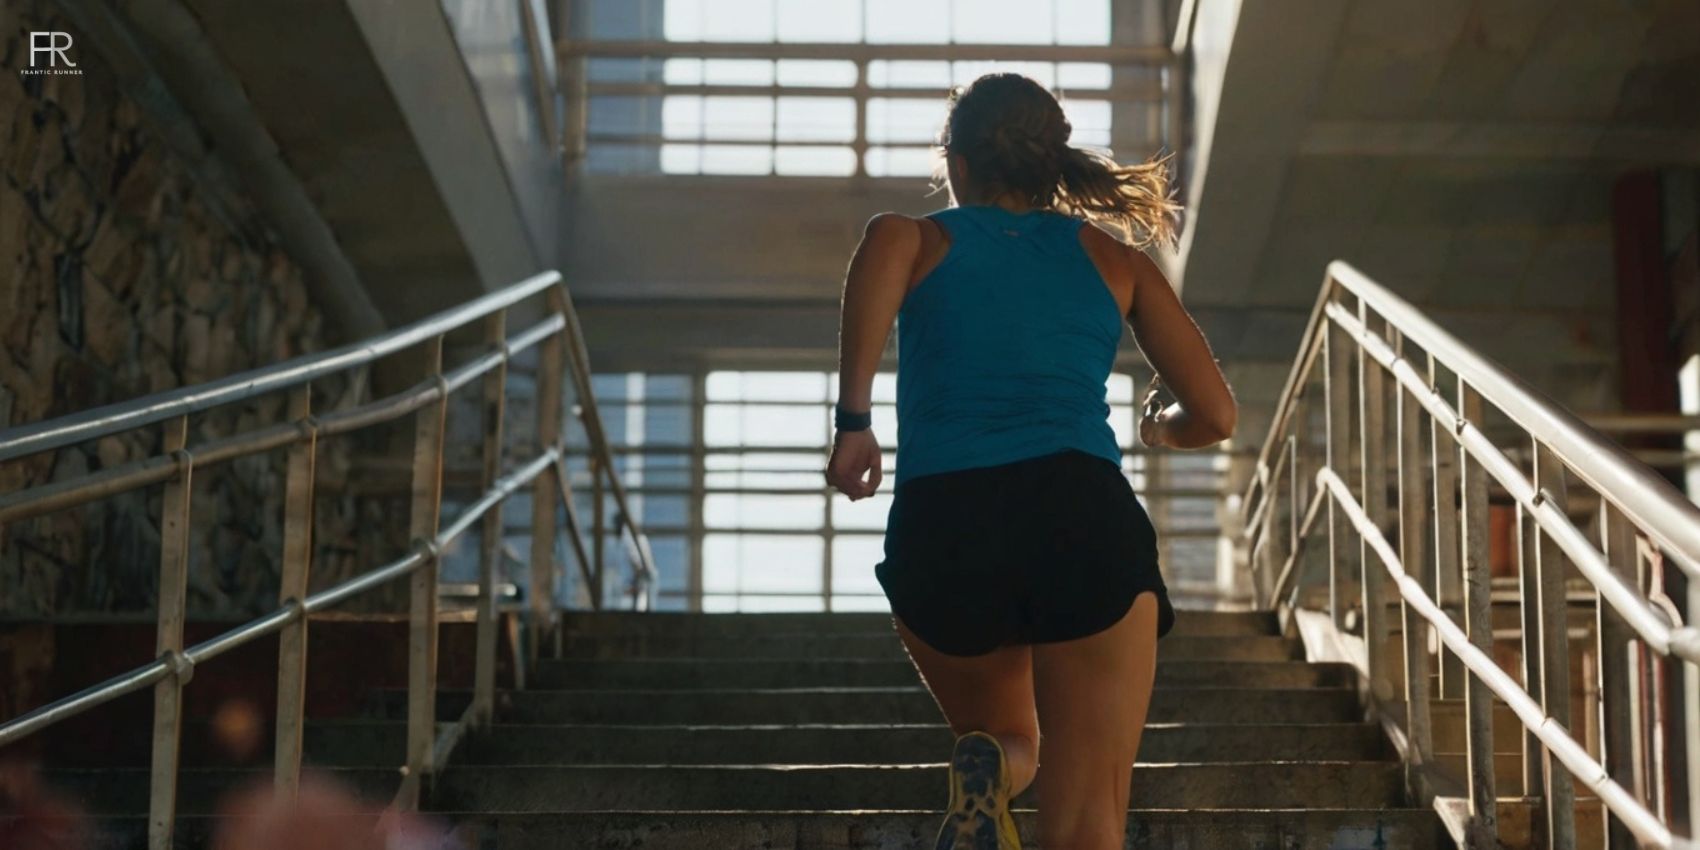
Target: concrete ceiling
1461, 152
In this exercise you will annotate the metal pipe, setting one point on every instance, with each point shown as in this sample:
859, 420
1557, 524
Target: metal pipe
91, 697
1122, 92
123, 416
1651, 502
1558, 797
575, 529
1114, 54
1372, 483
296, 567
1647, 621
1311, 513
1415, 519
1337, 450
578, 359
59, 495
502, 489
424, 518
247, 633
1564, 748
1473, 529
176, 506
1616, 668
490, 535
1310, 346
153, 672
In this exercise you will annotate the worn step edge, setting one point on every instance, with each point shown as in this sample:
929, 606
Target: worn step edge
1349, 784
880, 829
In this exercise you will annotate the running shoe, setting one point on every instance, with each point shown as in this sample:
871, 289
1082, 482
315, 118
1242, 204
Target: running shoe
978, 817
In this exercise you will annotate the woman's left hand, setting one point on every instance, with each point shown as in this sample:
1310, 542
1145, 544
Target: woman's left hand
854, 467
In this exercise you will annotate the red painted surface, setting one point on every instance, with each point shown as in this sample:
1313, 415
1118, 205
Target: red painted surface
348, 662
1646, 348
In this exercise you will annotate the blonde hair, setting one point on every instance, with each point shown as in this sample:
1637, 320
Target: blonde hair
1013, 136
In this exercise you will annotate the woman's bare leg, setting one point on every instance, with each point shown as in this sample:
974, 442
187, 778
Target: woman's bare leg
1092, 697
991, 693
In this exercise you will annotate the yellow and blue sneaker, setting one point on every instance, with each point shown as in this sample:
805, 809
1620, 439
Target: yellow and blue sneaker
978, 817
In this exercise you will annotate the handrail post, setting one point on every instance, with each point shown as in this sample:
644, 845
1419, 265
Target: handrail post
490, 552
1529, 601
1296, 495
1616, 669
1415, 516
1478, 626
427, 497
599, 521
548, 399
1447, 570
1274, 539
1335, 394
1297, 499
292, 589
1372, 423
1559, 794
168, 643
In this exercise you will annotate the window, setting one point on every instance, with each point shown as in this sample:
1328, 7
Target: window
750, 516
798, 104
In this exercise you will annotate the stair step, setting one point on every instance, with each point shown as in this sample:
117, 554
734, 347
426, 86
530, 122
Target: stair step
1230, 829
1214, 829
508, 788
124, 790
871, 705
885, 646
871, 744
684, 673
625, 623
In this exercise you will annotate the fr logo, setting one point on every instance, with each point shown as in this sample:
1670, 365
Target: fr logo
54, 44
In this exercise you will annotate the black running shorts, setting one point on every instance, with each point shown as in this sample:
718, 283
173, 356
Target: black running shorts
1046, 549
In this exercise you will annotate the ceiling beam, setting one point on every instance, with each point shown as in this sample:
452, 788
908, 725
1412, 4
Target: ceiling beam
1519, 140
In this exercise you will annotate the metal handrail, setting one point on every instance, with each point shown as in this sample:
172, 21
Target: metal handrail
1649, 622
854, 51
1424, 473
1164, 91
562, 357
293, 611
125, 415
1640, 820
1650, 502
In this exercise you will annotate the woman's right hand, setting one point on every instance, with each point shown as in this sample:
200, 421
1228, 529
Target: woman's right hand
854, 467
1151, 413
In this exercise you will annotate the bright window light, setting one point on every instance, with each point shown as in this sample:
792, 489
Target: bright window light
753, 508
814, 161
722, 118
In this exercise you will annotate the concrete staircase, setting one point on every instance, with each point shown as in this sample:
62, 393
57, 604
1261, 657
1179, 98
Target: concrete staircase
810, 730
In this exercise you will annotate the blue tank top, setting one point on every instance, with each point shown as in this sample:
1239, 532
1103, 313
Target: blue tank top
1005, 348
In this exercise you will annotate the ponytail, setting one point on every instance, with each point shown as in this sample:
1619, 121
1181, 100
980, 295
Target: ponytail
1014, 137
1136, 200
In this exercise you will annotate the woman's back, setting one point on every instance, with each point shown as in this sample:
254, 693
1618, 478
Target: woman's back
1020, 567
1005, 346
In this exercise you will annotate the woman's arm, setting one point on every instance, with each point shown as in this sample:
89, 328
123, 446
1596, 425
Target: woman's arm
874, 289
1205, 412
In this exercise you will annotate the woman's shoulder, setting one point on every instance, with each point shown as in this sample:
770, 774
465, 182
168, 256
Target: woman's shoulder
892, 234
891, 225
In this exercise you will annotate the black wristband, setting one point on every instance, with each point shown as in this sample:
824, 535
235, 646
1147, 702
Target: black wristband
845, 420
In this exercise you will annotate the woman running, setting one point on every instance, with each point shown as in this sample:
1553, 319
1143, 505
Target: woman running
1020, 567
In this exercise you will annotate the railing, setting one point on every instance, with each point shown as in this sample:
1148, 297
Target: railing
1399, 474
1164, 91
560, 349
